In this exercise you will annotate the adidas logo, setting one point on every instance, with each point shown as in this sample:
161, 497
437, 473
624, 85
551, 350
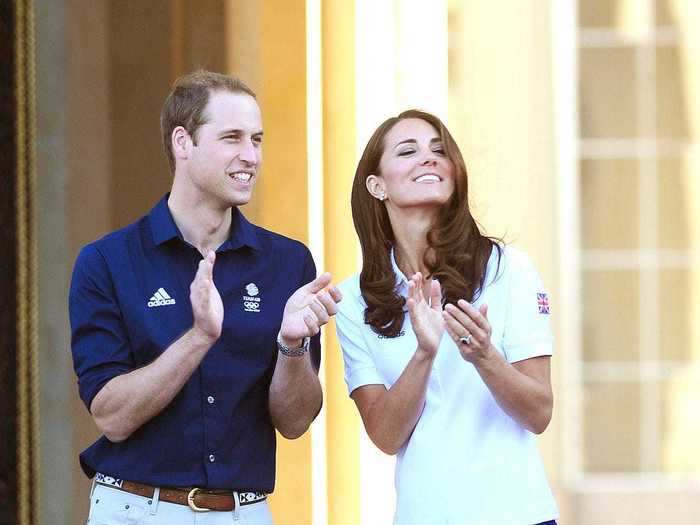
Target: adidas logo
160, 298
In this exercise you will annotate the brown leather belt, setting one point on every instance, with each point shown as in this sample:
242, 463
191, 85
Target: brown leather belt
199, 500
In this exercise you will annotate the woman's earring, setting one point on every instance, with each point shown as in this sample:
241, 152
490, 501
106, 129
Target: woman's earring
382, 197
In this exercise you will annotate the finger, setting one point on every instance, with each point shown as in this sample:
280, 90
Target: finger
328, 303
319, 311
454, 325
311, 323
483, 310
435, 295
474, 314
412, 291
335, 293
418, 283
319, 283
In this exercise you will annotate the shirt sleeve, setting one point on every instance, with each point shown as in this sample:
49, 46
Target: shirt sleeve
360, 368
527, 330
99, 342
309, 275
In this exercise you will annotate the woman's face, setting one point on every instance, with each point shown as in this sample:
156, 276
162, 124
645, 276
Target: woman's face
414, 170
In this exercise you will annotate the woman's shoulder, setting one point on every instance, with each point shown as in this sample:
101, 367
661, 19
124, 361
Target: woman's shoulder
352, 294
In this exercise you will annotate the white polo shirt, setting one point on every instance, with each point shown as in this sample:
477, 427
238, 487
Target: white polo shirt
467, 461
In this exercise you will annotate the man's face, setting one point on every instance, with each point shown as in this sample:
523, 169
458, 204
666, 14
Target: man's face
226, 159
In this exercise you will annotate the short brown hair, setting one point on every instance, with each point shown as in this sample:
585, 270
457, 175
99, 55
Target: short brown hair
187, 101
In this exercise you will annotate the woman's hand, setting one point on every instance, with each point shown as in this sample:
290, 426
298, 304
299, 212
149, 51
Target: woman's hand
427, 321
470, 329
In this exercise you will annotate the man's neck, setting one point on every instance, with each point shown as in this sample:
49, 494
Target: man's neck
204, 226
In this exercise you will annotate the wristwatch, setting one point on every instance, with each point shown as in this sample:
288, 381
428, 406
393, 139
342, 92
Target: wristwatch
293, 352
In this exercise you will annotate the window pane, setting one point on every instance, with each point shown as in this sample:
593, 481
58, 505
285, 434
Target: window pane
608, 94
678, 205
611, 315
610, 204
677, 313
680, 424
671, 97
597, 13
611, 432
664, 13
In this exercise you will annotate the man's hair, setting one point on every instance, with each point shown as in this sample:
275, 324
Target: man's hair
187, 101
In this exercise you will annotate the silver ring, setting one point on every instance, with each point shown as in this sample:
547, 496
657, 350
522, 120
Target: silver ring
467, 340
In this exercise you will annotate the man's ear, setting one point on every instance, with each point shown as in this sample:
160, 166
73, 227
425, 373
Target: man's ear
375, 187
181, 143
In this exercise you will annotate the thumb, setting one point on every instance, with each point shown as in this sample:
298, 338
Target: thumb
319, 283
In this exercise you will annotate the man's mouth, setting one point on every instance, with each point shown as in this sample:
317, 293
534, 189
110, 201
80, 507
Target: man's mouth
241, 176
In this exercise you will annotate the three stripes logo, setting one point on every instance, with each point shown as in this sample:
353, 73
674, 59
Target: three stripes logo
160, 298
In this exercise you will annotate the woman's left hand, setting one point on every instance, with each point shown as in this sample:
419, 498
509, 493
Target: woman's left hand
470, 329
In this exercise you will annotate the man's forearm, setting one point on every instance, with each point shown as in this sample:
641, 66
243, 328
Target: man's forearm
128, 401
295, 395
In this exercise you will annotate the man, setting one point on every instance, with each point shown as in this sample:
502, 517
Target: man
191, 329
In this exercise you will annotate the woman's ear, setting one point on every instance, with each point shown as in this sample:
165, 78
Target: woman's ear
375, 187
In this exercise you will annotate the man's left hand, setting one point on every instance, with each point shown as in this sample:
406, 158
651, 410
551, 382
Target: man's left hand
308, 309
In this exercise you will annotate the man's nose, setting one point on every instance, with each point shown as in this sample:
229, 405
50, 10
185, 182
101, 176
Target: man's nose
248, 153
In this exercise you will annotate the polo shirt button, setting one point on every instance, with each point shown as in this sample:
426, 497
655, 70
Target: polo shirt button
210, 400
211, 458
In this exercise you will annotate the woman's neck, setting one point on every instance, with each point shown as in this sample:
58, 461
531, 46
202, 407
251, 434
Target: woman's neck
411, 239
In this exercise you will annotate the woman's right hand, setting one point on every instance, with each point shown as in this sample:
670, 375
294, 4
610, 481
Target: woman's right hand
428, 323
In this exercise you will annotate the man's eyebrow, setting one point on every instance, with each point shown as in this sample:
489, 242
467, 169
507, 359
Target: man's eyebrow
236, 131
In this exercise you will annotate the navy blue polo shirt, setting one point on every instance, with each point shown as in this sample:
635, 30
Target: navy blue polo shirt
129, 300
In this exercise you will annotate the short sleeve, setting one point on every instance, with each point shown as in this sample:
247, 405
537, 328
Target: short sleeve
360, 369
99, 343
309, 274
527, 331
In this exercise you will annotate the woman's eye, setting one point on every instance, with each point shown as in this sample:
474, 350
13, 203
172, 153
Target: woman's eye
439, 151
406, 152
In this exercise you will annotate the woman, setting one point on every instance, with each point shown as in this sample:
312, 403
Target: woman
459, 386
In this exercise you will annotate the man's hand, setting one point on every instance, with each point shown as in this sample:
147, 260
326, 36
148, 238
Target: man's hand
309, 308
207, 308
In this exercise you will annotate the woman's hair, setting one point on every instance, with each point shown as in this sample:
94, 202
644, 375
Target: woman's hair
458, 251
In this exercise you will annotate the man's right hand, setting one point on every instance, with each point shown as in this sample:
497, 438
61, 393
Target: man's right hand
207, 308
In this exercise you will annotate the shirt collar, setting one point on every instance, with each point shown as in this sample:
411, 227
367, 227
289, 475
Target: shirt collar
401, 281
163, 228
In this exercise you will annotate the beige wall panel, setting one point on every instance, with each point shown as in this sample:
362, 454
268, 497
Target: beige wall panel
648, 505
609, 204
341, 252
610, 316
608, 98
140, 80
611, 425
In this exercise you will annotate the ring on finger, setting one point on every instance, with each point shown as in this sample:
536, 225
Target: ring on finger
466, 339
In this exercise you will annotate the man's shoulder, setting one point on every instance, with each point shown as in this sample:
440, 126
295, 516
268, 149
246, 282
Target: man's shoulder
114, 243
273, 241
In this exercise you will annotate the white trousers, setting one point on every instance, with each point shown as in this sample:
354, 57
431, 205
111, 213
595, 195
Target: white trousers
111, 506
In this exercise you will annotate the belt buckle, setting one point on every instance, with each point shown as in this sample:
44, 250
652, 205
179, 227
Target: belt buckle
190, 501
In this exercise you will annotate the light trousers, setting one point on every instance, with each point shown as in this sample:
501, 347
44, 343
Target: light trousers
111, 506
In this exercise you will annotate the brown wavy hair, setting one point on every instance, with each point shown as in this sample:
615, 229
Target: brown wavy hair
458, 252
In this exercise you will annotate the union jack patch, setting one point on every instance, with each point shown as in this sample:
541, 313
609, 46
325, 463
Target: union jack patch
543, 303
